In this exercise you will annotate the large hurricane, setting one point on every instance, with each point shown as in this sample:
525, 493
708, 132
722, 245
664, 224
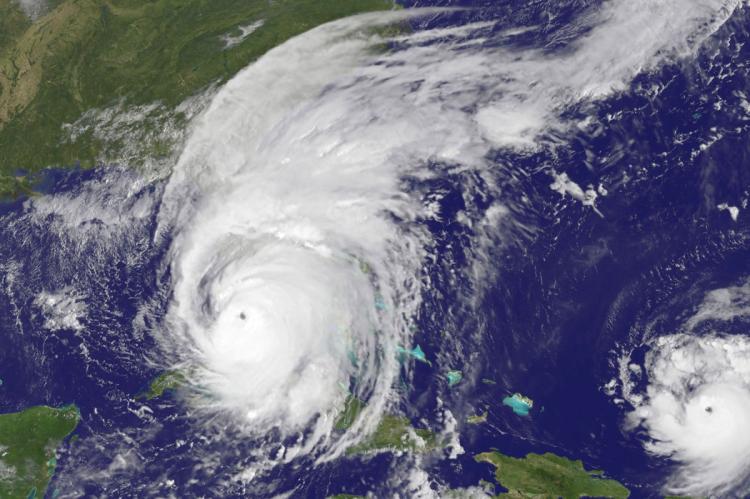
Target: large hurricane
298, 249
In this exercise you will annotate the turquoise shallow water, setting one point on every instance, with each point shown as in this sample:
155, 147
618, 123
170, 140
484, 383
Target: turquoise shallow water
519, 407
564, 291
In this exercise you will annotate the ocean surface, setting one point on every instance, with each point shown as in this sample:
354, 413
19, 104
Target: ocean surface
459, 164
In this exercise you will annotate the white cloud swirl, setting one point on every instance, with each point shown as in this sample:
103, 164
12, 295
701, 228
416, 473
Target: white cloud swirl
290, 185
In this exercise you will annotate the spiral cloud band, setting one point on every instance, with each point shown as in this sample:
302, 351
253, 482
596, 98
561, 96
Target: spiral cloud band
697, 397
297, 251
293, 279
695, 410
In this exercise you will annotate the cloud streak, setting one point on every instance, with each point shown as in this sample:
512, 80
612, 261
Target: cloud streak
297, 257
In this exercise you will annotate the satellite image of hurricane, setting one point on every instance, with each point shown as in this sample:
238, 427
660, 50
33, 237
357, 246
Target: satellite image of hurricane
374, 248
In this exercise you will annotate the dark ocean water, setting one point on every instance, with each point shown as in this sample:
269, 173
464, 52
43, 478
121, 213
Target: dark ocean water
571, 292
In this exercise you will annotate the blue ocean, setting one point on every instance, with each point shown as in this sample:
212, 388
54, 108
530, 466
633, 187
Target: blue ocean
595, 260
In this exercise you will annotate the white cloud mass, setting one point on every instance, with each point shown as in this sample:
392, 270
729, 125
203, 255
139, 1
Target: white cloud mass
291, 217
696, 409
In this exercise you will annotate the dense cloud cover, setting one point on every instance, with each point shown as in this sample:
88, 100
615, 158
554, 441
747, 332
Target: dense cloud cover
297, 258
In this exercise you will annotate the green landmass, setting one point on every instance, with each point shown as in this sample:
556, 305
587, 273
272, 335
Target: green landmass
85, 55
352, 408
393, 432
477, 418
396, 433
548, 475
167, 381
485, 489
28, 441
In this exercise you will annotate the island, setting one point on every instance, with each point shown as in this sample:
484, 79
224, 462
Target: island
477, 418
454, 377
520, 404
549, 475
393, 433
416, 352
28, 443
352, 408
165, 382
